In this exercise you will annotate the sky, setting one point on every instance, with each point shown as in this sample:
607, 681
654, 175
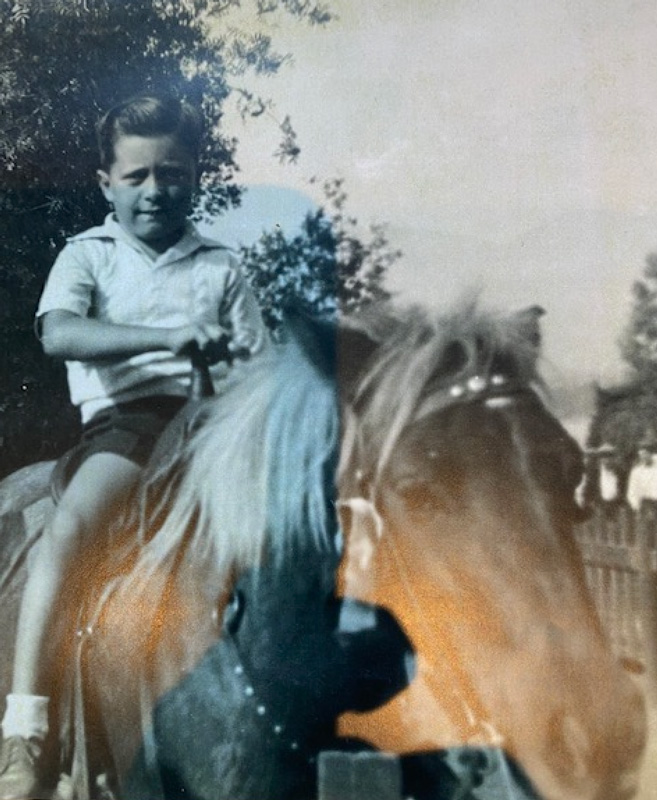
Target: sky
509, 145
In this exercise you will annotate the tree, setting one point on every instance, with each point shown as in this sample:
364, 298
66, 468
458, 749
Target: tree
62, 62
65, 61
626, 415
324, 269
639, 343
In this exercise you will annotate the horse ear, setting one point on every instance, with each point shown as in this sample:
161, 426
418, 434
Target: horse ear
526, 324
340, 351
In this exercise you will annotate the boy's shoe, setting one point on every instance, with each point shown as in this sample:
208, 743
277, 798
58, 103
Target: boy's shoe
18, 768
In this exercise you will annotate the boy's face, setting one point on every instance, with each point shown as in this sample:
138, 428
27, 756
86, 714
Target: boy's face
150, 184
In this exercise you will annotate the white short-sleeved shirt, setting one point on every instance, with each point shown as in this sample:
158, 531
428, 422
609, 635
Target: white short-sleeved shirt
103, 274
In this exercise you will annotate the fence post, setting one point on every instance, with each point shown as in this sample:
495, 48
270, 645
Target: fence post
646, 535
359, 776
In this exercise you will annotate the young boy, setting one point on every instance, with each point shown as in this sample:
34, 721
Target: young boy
123, 304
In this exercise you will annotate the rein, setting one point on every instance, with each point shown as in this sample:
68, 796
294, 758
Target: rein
273, 723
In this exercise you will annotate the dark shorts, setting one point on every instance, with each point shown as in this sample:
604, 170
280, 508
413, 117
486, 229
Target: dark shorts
128, 429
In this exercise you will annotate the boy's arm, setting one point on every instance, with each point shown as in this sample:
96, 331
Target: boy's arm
72, 337
248, 331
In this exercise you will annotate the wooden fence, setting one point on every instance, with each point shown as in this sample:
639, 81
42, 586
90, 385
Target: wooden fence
620, 556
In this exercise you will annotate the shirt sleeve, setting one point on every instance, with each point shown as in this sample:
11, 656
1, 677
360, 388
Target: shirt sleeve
70, 284
240, 310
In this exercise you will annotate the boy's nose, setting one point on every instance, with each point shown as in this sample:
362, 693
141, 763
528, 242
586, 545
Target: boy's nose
153, 186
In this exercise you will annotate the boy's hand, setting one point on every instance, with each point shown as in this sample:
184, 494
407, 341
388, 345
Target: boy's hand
182, 340
239, 350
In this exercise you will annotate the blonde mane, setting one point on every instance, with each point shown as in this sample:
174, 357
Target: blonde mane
422, 356
256, 474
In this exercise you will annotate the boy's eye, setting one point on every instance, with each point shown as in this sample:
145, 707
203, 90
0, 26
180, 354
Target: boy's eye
135, 178
166, 175
173, 175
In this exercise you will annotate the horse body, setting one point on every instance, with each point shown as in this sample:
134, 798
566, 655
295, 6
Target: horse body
25, 505
225, 615
212, 656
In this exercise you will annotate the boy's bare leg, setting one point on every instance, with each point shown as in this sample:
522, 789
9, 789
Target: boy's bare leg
94, 497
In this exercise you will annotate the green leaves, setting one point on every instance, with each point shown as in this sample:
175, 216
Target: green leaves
325, 269
625, 414
314, 13
639, 342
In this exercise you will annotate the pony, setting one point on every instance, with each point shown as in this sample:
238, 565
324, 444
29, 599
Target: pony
372, 526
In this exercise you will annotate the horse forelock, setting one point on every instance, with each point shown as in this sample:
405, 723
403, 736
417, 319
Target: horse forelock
257, 473
428, 359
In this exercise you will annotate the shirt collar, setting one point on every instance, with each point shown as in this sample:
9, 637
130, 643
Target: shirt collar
189, 242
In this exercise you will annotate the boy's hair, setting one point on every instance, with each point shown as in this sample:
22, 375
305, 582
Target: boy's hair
149, 115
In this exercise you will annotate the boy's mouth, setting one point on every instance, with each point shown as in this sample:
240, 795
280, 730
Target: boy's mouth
153, 212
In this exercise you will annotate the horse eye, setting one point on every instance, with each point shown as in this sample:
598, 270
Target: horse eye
424, 496
416, 493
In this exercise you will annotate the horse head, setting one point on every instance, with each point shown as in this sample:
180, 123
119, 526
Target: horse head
457, 488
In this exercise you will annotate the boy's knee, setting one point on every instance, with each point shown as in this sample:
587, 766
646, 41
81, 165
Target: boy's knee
67, 530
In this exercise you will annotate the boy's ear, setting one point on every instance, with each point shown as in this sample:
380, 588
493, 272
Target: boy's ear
104, 184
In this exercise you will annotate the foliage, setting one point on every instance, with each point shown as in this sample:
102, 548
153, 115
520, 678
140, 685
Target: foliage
63, 62
639, 344
325, 269
626, 415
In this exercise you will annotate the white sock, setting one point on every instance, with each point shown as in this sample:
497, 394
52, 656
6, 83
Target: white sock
26, 716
